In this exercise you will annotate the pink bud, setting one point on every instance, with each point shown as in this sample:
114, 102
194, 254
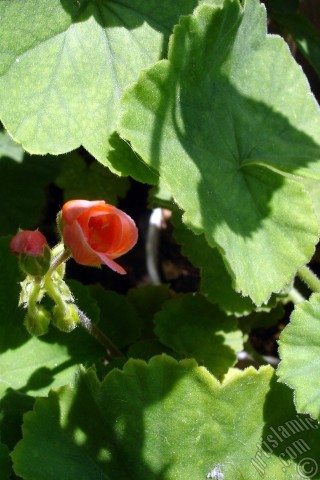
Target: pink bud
29, 242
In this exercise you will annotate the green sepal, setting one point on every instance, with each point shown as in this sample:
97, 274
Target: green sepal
35, 265
37, 322
66, 320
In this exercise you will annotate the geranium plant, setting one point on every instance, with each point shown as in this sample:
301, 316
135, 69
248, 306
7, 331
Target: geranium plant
178, 145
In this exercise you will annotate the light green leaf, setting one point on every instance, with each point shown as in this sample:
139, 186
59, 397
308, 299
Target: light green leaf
64, 65
299, 350
193, 327
9, 148
5, 462
166, 420
222, 121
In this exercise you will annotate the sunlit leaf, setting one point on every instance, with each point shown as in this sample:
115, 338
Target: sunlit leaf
223, 120
64, 65
166, 420
300, 352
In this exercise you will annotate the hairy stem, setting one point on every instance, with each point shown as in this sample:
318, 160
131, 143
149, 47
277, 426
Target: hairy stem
111, 349
295, 296
310, 278
60, 258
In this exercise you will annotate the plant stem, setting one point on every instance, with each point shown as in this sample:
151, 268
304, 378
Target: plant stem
295, 296
33, 298
111, 349
310, 278
62, 256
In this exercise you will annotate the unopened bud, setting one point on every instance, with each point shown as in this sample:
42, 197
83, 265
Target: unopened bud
35, 265
66, 320
33, 251
37, 323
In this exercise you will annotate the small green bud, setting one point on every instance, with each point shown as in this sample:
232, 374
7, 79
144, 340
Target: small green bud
37, 322
66, 320
35, 265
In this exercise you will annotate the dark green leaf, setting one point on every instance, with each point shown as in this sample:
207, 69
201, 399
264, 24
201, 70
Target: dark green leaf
93, 182
193, 327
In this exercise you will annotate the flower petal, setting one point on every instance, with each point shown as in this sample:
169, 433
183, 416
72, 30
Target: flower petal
111, 264
81, 251
72, 209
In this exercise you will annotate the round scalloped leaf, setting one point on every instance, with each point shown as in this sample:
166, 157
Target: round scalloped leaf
222, 121
166, 420
64, 65
193, 327
299, 350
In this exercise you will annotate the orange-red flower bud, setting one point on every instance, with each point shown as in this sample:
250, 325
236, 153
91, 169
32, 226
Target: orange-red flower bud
96, 233
29, 242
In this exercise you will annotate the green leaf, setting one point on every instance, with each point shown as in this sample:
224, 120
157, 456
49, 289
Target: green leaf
193, 327
118, 318
222, 121
9, 148
22, 191
160, 196
122, 159
299, 350
85, 300
166, 420
64, 65
147, 348
147, 301
5, 462
216, 282
304, 34
13, 406
92, 182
